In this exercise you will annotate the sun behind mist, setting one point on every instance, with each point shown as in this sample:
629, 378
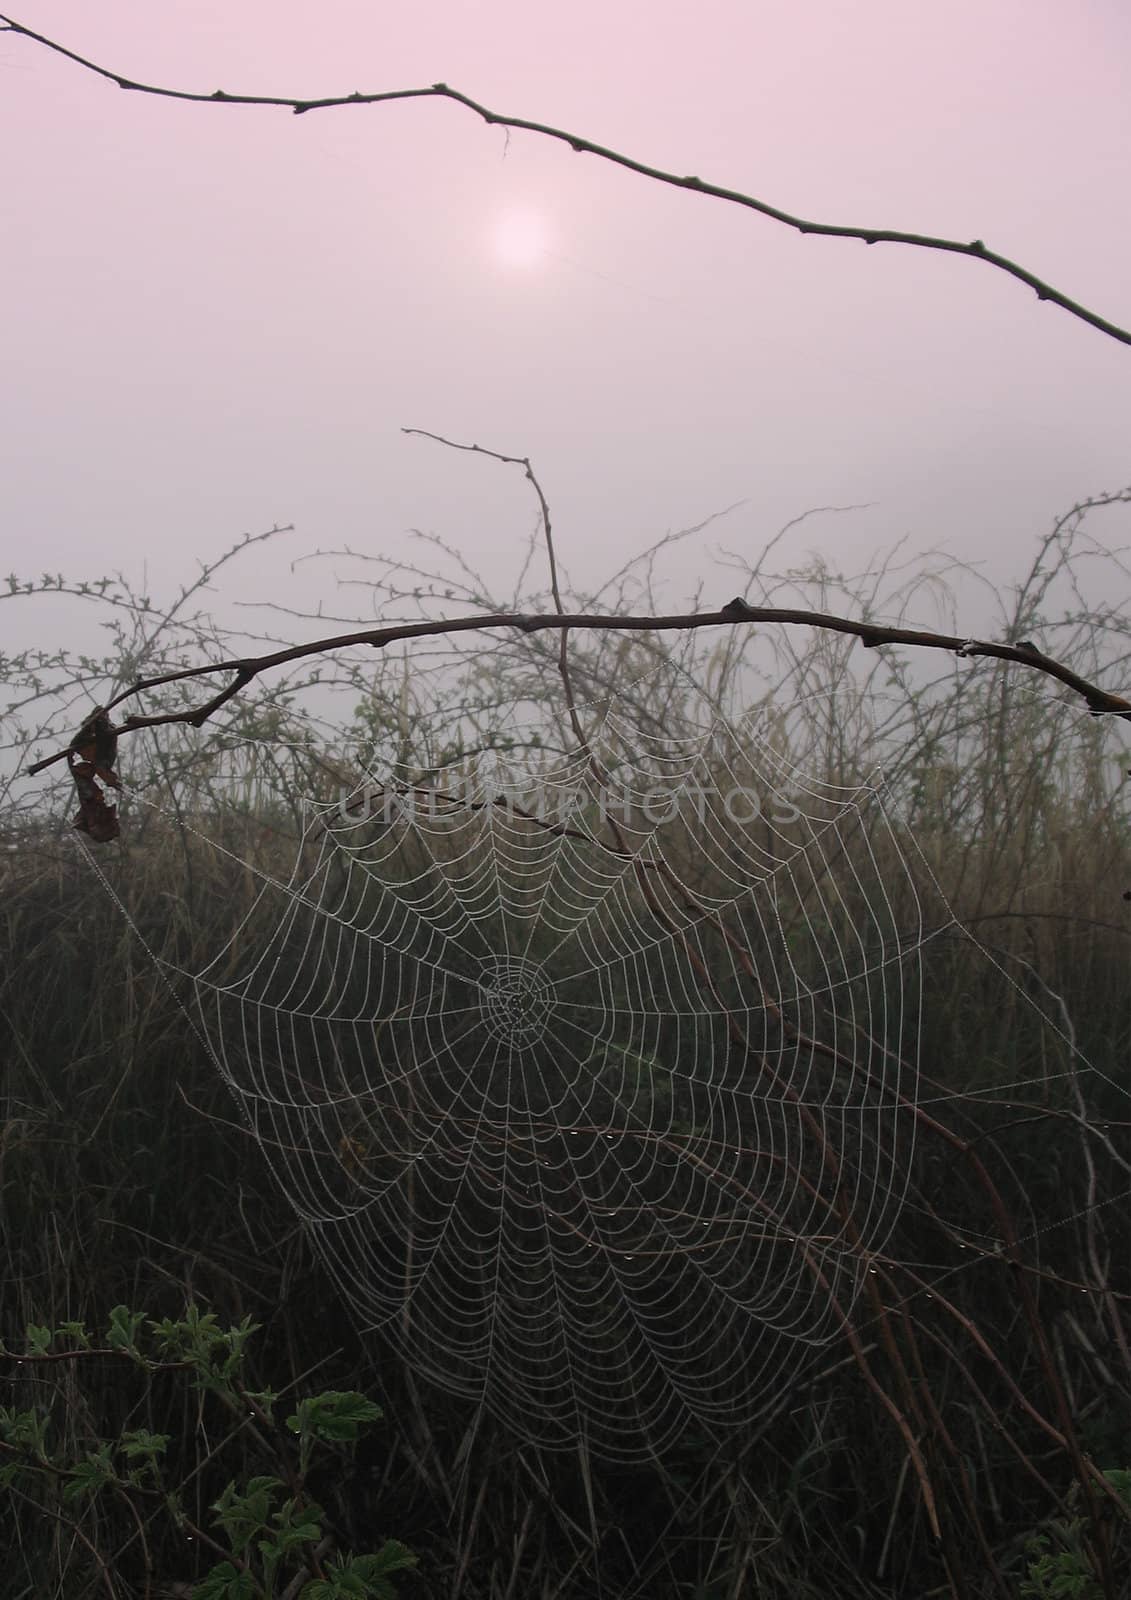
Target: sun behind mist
519, 240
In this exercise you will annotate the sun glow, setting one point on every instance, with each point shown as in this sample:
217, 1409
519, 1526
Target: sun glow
519, 240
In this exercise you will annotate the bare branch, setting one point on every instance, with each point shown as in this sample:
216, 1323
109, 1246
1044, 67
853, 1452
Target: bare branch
442, 91
551, 556
734, 614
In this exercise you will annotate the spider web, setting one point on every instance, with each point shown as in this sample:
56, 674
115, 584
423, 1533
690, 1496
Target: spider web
590, 1073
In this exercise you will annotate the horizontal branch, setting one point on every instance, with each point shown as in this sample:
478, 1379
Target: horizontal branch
43, 1358
735, 613
442, 91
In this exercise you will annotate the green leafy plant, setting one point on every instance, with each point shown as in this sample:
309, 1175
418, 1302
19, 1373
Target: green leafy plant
1061, 1565
274, 1541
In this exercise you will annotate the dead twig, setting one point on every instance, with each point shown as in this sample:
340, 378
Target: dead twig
735, 613
582, 146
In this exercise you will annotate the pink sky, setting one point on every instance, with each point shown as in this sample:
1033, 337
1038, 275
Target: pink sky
216, 319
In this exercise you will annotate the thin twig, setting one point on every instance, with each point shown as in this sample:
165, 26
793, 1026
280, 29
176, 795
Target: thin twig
582, 146
551, 558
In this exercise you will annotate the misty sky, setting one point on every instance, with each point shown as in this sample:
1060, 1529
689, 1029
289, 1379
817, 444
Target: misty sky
216, 318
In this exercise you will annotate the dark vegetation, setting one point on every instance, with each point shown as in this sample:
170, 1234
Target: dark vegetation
964, 1438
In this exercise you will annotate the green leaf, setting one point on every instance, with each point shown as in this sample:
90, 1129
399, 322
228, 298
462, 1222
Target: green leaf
393, 1556
90, 1475
245, 1514
191, 1336
139, 1445
264, 1398
123, 1330
74, 1330
24, 1429
367, 1577
335, 1415
1120, 1480
216, 1353
226, 1582
38, 1339
295, 1525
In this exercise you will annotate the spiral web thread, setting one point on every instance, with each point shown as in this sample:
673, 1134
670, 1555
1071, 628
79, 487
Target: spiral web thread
592, 1090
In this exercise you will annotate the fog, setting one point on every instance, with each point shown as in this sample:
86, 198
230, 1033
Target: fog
220, 318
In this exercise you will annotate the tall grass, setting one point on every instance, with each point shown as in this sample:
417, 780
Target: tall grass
995, 1336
